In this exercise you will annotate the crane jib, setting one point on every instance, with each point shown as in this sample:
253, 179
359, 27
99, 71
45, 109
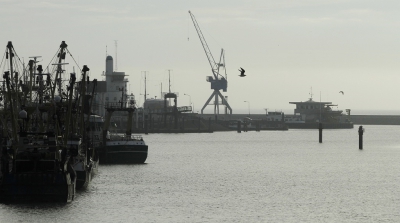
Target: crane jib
219, 82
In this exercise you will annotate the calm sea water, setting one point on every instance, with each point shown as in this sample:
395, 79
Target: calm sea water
270, 176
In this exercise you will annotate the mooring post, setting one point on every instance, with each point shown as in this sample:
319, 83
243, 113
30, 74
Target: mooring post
239, 126
320, 132
360, 137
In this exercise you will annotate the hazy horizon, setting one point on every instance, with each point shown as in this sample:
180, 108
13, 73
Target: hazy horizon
287, 47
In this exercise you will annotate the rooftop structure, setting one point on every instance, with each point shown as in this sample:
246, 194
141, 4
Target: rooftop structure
316, 111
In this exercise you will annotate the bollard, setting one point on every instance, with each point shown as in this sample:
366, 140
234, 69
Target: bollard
360, 137
320, 132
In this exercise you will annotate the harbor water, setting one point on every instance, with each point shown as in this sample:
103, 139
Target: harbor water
267, 176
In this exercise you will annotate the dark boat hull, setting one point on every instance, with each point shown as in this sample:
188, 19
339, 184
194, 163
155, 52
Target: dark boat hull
85, 174
315, 125
123, 154
83, 179
37, 187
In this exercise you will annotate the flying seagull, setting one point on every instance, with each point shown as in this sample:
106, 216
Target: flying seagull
242, 72
341, 92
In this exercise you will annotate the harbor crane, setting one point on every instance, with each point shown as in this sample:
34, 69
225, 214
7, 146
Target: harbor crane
218, 81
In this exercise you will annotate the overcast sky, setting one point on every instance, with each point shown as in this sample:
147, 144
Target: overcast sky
286, 47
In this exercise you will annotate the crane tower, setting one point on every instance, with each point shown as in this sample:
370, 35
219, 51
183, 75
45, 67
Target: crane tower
218, 81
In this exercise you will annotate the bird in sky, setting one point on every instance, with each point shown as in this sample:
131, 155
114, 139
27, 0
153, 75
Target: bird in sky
242, 72
341, 92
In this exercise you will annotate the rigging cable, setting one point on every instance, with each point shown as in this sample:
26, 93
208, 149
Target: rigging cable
47, 68
4, 55
188, 26
73, 59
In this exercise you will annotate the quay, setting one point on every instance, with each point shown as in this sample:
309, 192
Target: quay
356, 119
208, 123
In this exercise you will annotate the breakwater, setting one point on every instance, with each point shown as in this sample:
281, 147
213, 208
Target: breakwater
375, 119
206, 123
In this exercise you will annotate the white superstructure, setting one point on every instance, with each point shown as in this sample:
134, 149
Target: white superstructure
112, 89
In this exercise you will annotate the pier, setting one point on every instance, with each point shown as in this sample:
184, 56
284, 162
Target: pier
208, 123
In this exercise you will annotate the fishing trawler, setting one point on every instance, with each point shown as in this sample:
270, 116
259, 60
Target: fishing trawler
124, 149
117, 148
86, 161
37, 161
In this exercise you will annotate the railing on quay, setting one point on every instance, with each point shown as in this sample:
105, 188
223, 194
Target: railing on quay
124, 104
165, 110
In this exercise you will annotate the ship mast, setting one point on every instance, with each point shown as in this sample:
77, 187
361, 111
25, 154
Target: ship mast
11, 55
9, 81
12, 106
61, 56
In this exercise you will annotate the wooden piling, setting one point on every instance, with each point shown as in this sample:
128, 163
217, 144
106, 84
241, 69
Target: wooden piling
320, 127
360, 137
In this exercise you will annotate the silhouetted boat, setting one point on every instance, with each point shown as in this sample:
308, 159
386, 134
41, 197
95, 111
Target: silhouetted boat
309, 114
41, 151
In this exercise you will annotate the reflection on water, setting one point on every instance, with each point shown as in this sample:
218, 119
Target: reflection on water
282, 176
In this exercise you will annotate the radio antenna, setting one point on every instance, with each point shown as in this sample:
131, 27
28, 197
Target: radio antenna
116, 59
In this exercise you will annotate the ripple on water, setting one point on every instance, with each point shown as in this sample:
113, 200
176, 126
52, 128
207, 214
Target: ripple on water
282, 176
